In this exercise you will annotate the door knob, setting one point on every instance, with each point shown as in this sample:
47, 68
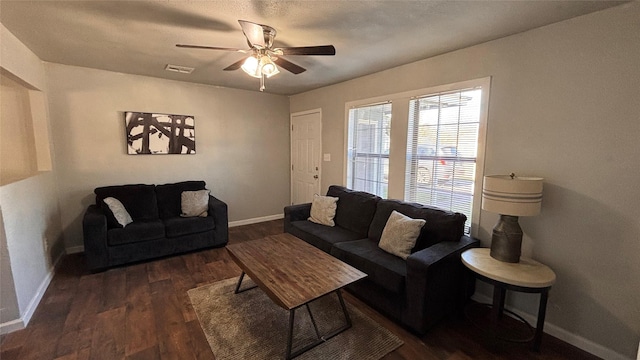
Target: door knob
315, 176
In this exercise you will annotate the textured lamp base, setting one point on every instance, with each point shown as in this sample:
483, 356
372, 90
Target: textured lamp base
506, 241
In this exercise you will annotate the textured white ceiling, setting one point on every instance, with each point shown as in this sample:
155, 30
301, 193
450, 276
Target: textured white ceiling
139, 37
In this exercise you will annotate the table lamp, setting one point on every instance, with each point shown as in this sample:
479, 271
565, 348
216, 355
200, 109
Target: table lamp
510, 196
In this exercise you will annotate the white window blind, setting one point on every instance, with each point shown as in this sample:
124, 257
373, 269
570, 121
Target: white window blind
368, 148
442, 146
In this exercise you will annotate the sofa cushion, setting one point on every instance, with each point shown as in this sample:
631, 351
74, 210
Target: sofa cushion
179, 226
137, 231
323, 210
400, 234
194, 203
355, 209
138, 199
169, 197
382, 268
441, 225
117, 216
321, 236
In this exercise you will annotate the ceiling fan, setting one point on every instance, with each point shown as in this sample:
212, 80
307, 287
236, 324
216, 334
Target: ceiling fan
263, 58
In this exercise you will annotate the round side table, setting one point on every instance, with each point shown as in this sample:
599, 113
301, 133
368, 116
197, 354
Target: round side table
528, 276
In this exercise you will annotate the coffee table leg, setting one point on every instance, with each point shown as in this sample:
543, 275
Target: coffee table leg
313, 321
292, 314
240, 283
344, 310
320, 339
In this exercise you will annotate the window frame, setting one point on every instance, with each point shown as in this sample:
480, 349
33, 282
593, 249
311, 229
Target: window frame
399, 130
436, 189
350, 165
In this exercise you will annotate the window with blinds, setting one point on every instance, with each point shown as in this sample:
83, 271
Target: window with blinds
368, 148
442, 146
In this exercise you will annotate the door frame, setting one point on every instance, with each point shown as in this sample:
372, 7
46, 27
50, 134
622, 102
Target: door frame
291, 150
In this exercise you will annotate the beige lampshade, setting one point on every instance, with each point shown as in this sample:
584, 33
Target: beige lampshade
512, 195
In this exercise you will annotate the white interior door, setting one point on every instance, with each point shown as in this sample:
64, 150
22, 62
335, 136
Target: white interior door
306, 140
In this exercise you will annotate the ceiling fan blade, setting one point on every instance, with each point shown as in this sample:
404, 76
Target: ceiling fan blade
253, 32
208, 47
236, 65
289, 66
309, 50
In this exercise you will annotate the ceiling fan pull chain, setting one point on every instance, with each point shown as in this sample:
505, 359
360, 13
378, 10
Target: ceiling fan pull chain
262, 87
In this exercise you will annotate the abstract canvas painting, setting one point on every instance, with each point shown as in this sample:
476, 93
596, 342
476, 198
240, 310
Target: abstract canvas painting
149, 133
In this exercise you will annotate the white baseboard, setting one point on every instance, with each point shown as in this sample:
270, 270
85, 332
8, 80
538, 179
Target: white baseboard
24, 319
562, 334
10, 326
80, 248
33, 304
74, 249
256, 220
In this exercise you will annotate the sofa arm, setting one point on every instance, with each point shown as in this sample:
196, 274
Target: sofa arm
218, 209
94, 229
296, 213
437, 282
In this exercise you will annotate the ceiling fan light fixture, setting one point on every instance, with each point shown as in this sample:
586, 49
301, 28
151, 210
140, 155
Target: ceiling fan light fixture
268, 67
261, 63
258, 65
251, 66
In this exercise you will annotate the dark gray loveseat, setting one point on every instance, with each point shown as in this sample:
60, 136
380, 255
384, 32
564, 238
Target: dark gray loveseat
157, 228
418, 292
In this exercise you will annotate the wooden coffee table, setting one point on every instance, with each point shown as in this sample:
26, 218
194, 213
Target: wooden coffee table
293, 274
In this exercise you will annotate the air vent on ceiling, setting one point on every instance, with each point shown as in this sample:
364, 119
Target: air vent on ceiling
180, 69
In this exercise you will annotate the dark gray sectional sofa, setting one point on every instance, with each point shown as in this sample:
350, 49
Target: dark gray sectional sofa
157, 228
418, 292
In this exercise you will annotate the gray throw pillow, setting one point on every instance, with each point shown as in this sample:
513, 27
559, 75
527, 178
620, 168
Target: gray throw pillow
323, 210
119, 212
400, 234
194, 203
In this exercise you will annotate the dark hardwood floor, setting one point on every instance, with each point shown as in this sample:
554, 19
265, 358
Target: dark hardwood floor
142, 311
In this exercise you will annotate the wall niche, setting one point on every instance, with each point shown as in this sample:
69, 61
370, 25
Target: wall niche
24, 136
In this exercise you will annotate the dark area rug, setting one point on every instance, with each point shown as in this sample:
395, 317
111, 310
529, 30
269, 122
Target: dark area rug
250, 326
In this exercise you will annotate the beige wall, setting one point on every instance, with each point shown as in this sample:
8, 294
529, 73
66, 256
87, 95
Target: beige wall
31, 221
565, 106
8, 301
242, 141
